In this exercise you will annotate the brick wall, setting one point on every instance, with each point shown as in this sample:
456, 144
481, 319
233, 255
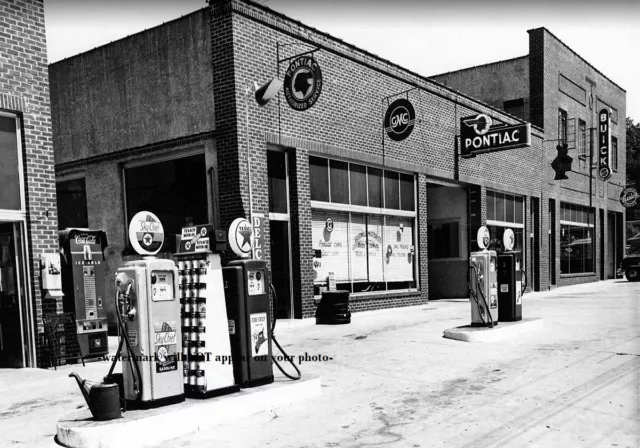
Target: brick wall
24, 90
345, 123
153, 86
492, 83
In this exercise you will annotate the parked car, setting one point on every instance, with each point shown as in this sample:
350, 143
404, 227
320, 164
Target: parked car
631, 267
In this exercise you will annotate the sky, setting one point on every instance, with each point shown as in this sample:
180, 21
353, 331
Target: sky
428, 37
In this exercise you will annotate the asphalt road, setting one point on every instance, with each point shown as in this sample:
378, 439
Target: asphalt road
393, 380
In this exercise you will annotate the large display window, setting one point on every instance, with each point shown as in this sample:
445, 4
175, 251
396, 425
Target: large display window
576, 239
363, 227
506, 211
175, 190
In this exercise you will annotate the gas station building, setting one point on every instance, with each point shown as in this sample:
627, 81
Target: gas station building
167, 121
28, 216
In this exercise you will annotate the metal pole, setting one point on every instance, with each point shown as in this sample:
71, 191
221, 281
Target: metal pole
246, 118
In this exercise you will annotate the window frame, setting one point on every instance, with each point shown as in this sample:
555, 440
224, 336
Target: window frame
382, 212
614, 153
590, 224
21, 213
70, 178
563, 123
145, 161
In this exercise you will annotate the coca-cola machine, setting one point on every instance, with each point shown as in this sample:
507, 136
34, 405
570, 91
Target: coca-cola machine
83, 272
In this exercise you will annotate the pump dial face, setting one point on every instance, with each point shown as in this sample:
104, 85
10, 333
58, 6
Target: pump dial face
508, 239
483, 237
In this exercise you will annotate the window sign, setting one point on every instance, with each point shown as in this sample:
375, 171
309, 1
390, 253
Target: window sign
376, 251
333, 246
398, 258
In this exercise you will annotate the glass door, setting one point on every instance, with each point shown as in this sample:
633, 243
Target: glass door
14, 347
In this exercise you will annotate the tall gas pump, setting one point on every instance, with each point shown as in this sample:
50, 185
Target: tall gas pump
147, 296
511, 280
483, 283
206, 350
247, 298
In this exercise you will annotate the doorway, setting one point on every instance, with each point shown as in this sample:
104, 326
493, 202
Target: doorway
552, 242
13, 348
611, 245
535, 244
280, 231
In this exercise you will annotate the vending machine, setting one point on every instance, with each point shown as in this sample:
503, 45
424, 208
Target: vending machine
83, 273
483, 283
148, 305
510, 281
206, 349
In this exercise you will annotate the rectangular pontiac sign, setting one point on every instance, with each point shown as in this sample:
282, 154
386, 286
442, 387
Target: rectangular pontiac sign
477, 136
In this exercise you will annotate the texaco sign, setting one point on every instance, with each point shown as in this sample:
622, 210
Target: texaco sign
303, 83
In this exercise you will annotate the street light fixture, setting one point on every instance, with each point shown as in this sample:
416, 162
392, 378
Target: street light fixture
263, 94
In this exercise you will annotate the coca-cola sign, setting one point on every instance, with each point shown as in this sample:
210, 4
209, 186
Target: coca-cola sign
86, 239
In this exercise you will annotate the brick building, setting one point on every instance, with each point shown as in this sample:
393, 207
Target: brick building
557, 90
28, 223
164, 120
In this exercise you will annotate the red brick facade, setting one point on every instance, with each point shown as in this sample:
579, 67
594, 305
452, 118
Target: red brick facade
24, 91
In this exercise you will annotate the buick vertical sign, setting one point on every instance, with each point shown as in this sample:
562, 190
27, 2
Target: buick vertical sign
399, 119
604, 144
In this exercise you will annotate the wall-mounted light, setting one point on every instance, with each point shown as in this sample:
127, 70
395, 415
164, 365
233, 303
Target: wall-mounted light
267, 91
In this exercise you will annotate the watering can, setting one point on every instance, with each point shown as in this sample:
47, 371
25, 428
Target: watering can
103, 398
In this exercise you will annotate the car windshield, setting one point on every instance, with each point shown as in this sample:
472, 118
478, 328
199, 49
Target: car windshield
633, 245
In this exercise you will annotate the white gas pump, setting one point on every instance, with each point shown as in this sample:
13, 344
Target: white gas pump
483, 283
147, 295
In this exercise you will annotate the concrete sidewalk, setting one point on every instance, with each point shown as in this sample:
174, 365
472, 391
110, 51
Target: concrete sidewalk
391, 378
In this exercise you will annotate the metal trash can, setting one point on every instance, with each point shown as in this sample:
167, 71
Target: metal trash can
333, 308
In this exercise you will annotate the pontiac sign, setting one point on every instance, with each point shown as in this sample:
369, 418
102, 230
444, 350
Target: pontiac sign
478, 135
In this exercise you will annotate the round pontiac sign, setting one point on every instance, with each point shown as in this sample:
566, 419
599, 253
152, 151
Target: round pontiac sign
399, 119
303, 83
146, 233
241, 237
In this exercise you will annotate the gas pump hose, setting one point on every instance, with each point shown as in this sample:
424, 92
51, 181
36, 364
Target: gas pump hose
275, 341
133, 362
488, 323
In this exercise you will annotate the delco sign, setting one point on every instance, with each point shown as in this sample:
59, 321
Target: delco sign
604, 144
478, 135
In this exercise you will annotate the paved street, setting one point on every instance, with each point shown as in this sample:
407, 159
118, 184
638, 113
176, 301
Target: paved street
394, 381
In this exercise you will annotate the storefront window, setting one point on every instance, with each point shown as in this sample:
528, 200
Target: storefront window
364, 251
72, 204
506, 211
174, 190
576, 239
10, 181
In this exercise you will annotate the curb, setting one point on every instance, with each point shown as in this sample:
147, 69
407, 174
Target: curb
504, 330
151, 427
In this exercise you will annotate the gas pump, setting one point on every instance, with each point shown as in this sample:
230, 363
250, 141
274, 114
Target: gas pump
149, 316
247, 285
206, 351
511, 280
483, 283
